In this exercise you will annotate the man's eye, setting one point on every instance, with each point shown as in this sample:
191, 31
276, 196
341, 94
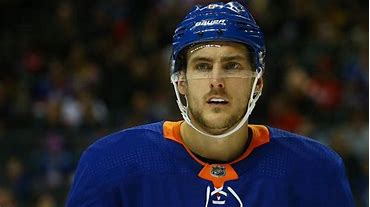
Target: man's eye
233, 66
203, 67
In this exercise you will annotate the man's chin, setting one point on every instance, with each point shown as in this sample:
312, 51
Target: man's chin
217, 131
215, 127
214, 124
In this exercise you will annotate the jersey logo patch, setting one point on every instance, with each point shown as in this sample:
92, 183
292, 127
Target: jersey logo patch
218, 171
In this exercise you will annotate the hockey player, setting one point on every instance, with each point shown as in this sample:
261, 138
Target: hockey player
213, 157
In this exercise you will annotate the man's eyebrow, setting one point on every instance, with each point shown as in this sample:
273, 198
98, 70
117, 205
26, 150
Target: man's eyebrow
195, 59
233, 57
223, 59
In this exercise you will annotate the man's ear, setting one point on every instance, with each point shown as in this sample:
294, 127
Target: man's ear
182, 84
259, 85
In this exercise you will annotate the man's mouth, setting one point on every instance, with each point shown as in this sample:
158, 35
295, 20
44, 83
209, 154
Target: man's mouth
217, 101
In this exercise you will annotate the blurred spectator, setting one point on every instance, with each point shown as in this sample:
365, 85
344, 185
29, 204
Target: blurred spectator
6, 198
351, 141
46, 200
55, 161
17, 178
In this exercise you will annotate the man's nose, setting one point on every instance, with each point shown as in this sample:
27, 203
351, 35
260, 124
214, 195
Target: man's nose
217, 81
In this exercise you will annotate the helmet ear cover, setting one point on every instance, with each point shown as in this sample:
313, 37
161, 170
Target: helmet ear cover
181, 62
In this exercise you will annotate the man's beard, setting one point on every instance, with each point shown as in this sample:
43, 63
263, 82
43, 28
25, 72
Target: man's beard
197, 116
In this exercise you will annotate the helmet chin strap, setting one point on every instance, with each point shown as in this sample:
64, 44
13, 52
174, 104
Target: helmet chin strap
251, 104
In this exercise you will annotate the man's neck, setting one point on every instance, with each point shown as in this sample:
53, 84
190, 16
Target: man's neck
223, 149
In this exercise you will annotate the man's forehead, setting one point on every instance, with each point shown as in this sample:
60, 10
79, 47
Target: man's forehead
236, 49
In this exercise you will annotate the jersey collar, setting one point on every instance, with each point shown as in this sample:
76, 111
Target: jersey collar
261, 136
218, 174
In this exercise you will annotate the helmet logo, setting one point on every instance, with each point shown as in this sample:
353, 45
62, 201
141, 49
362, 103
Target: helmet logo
210, 22
213, 6
233, 6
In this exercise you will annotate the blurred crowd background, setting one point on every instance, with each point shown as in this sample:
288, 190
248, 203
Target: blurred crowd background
73, 71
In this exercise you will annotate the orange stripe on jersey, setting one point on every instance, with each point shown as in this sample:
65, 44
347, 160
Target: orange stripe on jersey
218, 174
260, 136
171, 130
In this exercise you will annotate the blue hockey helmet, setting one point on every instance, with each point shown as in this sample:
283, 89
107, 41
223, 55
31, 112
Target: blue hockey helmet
218, 22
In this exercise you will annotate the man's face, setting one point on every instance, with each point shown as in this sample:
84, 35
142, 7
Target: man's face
218, 85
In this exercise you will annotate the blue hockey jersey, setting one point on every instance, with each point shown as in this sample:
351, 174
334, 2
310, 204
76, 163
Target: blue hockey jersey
149, 165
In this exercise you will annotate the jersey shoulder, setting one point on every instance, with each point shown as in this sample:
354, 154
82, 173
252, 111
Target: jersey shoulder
127, 152
303, 149
142, 133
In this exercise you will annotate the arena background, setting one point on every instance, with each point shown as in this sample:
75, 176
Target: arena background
73, 71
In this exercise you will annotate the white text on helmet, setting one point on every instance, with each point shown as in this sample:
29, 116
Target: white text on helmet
210, 22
